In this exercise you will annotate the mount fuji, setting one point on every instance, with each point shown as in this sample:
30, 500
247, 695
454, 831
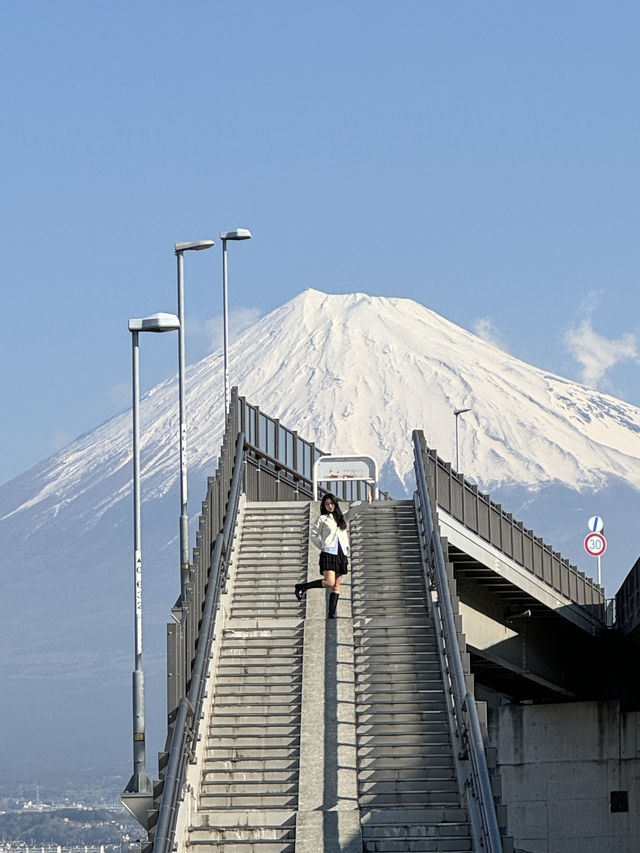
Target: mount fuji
355, 374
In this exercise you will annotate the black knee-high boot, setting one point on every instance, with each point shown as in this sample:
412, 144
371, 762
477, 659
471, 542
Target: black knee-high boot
301, 588
333, 603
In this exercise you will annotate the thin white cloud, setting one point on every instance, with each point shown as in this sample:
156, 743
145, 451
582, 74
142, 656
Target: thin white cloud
120, 396
486, 330
59, 439
206, 336
593, 351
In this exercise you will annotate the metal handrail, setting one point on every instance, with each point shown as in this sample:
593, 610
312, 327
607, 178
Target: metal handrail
479, 795
184, 736
298, 477
476, 511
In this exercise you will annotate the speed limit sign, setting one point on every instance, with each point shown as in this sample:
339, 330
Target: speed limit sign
595, 544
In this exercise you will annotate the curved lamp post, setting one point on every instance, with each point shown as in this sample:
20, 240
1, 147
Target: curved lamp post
457, 413
180, 249
238, 234
138, 795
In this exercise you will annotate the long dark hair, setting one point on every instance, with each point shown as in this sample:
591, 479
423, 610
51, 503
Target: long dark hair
337, 513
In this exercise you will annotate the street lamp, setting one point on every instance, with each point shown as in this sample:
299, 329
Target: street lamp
138, 795
180, 249
238, 234
457, 413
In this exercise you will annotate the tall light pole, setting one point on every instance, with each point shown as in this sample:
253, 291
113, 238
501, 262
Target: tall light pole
238, 234
138, 794
457, 413
180, 249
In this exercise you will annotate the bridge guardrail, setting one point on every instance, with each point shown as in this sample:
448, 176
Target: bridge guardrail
189, 711
461, 703
486, 518
278, 458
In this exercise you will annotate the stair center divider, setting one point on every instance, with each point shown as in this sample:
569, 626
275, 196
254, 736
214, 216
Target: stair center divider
328, 813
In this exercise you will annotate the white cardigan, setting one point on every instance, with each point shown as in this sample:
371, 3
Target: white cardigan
326, 534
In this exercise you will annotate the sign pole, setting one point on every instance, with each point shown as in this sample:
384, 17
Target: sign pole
595, 544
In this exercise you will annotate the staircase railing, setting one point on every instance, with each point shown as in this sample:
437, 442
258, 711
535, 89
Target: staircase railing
461, 500
189, 712
461, 703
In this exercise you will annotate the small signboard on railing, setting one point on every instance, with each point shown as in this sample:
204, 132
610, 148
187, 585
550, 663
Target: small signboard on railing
334, 468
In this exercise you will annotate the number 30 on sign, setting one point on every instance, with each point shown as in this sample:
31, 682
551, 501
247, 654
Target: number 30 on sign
595, 544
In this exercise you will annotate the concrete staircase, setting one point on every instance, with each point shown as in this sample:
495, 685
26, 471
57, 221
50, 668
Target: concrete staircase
325, 735
408, 793
248, 791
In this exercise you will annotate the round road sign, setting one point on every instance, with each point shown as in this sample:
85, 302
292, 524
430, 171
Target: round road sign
595, 544
596, 524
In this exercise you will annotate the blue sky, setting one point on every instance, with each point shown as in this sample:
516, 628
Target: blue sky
480, 158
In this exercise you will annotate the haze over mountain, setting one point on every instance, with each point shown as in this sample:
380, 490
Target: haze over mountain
354, 373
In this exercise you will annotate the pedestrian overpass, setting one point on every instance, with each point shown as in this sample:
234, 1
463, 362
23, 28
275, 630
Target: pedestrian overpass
289, 732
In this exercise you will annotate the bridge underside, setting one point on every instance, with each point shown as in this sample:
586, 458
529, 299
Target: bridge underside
526, 641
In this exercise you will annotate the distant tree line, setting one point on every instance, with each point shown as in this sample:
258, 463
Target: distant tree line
66, 827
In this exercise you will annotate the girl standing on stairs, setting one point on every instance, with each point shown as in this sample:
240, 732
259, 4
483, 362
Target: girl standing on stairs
329, 534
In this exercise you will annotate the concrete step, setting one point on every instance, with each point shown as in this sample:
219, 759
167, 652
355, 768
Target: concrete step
258, 787
264, 655
214, 752
395, 700
398, 620
397, 632
418, 843
251, 765
408, 720
396, 629
242, 631
437, 740
271, 611
241, 819
393, 581
395, 655
392, 749
388, 735
405, 679
249, 688
250, 708
230, 835
396, 646
390, 585
371, 819
416, 831
446, 788
380, 561
243, 670
242, 846
239, 800
406, 774
432, 762
255, 566
381, 608
406, 799
248, 729
427, 669
260, 741
253, 684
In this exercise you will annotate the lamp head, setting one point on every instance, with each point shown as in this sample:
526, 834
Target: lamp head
238, 234
160, 322
457, 412
195, 246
